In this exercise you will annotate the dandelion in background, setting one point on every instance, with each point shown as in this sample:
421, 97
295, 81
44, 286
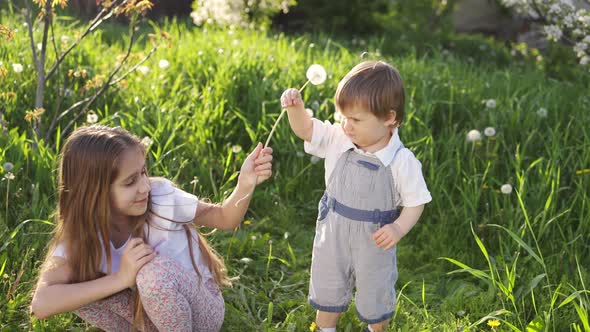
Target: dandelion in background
92, 118
236, 149
300, 154
8, 167
17, 68
506, 189
474, 136
490, 103
65, 39
309, 111
246, 260
542, 112
164, 64
489, 131
144, 70
147, 142
315, 159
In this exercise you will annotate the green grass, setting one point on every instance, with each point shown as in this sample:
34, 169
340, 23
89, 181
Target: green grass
476, 254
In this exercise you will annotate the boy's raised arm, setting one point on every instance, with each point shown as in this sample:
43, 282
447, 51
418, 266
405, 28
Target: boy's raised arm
300, 121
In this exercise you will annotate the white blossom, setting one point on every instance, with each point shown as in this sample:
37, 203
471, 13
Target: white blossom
542, 112
9, 176
473, 135
584, 60
246, 260
506, 189
316, 74
553, 32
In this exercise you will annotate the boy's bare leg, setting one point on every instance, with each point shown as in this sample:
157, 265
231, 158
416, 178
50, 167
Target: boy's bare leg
381, 326
327, 319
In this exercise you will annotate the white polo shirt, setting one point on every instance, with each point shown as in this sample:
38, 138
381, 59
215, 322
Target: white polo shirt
329, 141
167, 237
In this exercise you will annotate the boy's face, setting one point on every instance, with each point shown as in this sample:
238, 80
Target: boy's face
368, 132
129, 191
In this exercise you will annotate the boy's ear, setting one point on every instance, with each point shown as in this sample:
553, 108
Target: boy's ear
391, 119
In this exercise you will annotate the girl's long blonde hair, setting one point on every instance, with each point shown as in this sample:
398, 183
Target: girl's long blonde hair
88, 166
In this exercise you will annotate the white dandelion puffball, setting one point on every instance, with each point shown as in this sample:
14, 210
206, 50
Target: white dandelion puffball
236, 149
164, 64
490, 103
246, 260
147, 141
8, 167
309, 111
144, 70
91, 118
316, 74
17, 67
542, 112
489, 131
315, 159
506, 189
474, 135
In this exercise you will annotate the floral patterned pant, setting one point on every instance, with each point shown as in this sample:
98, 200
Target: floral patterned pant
172, 296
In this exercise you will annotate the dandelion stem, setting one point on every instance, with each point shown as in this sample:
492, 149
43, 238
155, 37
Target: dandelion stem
268, 141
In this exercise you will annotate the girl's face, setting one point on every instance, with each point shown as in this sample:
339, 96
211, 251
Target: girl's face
129, 191
368, 132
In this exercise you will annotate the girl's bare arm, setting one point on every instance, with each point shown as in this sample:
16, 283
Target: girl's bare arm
54, 294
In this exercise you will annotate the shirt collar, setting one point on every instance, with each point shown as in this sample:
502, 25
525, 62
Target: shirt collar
384, 155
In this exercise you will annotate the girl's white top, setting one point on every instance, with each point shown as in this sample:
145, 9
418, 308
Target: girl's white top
165, 236
329, 141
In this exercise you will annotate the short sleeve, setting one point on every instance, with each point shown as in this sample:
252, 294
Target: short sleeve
409, 181
323, 136
59, 251
171, 206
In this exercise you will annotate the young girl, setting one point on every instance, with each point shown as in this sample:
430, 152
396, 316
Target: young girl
156, 272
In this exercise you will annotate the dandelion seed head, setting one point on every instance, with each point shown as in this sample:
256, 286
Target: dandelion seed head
309, 111
542, 112
164, 64
473, 135
17, 68
236, 149
92, 118
506, 189
144, 70
491, 103
316, 74
8, 167
147, 141
489, 131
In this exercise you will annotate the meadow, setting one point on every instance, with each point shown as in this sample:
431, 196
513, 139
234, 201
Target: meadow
481, 258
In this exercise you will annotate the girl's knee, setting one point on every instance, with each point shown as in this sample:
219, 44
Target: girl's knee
152, 273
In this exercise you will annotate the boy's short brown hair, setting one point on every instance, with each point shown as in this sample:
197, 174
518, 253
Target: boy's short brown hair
373, 85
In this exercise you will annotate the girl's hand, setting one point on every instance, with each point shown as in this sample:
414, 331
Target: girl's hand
257, 167
388, 236
291, 98
134, 257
